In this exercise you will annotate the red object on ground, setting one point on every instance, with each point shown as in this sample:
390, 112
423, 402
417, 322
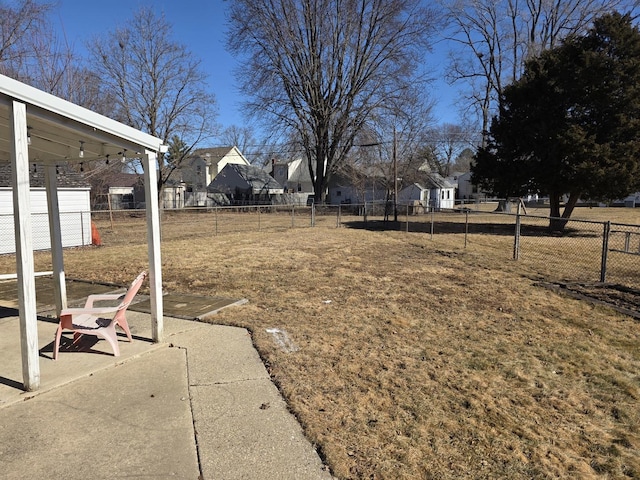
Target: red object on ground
95, 235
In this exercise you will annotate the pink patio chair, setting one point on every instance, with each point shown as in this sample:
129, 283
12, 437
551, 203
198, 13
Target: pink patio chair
90, 320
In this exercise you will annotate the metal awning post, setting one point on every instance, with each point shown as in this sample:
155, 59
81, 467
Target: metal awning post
55, 233
153, 241
24, 246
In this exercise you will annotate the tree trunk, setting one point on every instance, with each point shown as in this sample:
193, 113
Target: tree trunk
504, 206
556, 222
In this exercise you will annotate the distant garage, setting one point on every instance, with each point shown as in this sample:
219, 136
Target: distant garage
74, 204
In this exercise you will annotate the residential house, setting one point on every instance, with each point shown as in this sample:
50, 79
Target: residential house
293, 175
355, 186
117, 191
244, 184
73, 201
202, 166
434, 192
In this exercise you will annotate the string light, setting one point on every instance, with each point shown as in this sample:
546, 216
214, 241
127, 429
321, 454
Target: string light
81, 149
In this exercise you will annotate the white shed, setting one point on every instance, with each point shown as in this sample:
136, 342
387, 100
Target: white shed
437, 193
73, 202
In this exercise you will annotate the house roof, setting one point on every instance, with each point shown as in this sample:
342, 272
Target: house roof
254, 177
215, 153
435, 180
120, 179
67, 178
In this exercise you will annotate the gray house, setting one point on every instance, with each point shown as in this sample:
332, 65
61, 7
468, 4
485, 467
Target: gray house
244, 185
293, 175
202, 166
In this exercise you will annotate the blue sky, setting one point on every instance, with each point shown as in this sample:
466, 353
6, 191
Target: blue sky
200, 25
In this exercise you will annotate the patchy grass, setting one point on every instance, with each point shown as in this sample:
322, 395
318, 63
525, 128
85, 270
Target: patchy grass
416, 358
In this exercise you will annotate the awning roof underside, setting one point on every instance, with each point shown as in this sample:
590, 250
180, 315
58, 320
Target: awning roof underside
59, 130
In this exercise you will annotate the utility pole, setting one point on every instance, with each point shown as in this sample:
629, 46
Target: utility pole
395, 177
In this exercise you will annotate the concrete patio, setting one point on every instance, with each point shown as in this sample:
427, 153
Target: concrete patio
198, 405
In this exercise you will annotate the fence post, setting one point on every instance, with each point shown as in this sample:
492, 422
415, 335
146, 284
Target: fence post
466, 226
338, 217
313, 214
605, 251
82, 230
293, 214
216, 219
407, 218
364, 212
431, 222
516, 241
258, 217
627, 242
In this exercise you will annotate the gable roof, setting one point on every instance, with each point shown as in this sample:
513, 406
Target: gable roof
67, 178
435, 180
252, 177
216, 153
120, 179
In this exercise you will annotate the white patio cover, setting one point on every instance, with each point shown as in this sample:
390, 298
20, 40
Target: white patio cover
40, 129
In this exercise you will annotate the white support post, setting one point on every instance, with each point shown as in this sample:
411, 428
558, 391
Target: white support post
55, 233
24, 246
153, 240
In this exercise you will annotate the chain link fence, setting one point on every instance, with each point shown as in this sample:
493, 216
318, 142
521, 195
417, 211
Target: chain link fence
586, 251
75, 231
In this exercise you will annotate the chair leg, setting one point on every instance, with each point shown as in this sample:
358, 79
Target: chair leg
56, 344
124, 325
109, 334
65, 322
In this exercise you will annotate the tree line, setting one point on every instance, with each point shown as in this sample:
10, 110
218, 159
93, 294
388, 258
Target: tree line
341, 83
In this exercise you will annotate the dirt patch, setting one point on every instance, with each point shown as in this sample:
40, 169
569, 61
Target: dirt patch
619, 297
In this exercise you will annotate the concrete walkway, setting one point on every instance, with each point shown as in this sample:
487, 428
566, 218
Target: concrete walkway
200, 405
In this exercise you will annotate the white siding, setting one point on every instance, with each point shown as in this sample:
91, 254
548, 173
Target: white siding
75, 219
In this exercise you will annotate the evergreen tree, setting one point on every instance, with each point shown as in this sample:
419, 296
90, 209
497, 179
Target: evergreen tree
570, 125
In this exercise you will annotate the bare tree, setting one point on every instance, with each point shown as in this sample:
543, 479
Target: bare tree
444, 144
241, 137
18, 21
493, 38
322, 70
156, 84
49, 63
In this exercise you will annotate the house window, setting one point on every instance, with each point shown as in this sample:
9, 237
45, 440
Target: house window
338, 193
442, 194
448, 194
199, 168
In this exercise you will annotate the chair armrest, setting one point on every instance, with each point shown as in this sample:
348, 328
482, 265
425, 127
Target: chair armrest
91, 311
100, 297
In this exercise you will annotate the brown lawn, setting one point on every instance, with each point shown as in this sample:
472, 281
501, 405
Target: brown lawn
412, 357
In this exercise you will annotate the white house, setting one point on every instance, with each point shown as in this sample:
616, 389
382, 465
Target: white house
437, 193
202, 166
74, 205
